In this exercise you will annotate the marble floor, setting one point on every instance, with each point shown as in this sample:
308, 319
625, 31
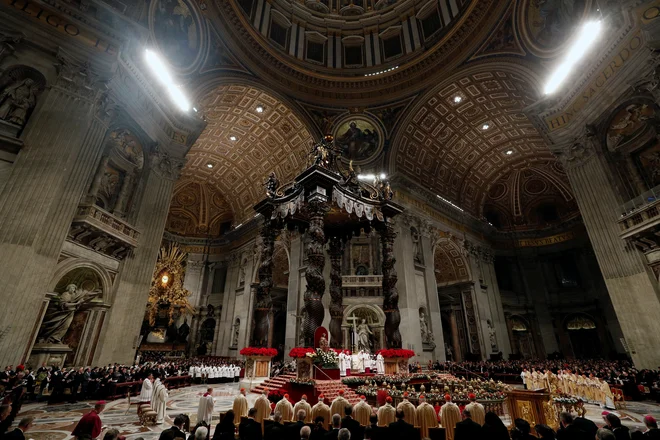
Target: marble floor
56, 422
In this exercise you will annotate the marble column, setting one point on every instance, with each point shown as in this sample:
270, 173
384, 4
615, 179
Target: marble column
122, 199
455, 342
408, 305
433, 299
193, 281
336, 252
390, 290
495, 305
317, 207
633, 289
263, 304
125, 317
96, 182
228, 303
63, 140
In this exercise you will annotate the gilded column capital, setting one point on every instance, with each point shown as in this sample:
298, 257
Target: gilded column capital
165, 165
578, 150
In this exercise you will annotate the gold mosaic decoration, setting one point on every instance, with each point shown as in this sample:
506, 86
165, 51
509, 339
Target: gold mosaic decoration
167, 285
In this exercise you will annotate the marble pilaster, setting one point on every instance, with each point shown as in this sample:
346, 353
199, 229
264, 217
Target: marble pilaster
433, 299
537, 293
63, 140
118, 338
193, 281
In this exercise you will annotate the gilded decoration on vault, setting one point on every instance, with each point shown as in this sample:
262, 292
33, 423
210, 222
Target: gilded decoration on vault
358, 138
548, 24
628, 124
177, 30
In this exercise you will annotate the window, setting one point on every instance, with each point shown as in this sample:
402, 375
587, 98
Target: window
431, 24
246, 5
392, 47
278, 34
353, 56
315, 51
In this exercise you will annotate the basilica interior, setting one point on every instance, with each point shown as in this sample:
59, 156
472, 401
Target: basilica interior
275, 166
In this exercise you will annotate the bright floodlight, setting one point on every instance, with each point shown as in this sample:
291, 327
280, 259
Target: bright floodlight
366, 176
163, 75
382, 176
585, 39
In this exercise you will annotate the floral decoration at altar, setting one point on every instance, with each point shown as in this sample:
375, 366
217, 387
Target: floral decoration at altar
300, 352
258, 351
396, 353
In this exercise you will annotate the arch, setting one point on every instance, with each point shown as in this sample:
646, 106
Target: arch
450, 264
519, 324
71, 264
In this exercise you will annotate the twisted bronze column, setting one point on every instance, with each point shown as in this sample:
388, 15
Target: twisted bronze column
336, 251
263, 300
316, 210
390, 293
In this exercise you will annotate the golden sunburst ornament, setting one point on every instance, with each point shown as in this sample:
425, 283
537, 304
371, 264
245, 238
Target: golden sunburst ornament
167, 284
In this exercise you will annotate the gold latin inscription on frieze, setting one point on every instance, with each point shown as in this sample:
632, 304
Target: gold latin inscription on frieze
49, 18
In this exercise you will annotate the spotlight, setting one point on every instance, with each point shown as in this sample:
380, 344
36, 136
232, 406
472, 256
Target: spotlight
164, 280
585, 39
382, 176
233, 138
457, 99
485, 127
509, 152
260, 109
209, 165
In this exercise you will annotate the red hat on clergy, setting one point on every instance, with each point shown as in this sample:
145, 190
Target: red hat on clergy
362, 397
471, 396
604, 413
447, 397
422, 396
388, 400
321, 397
341, 392
405, 394
286, 396
100, 403
242, 390
304, 396
649, 419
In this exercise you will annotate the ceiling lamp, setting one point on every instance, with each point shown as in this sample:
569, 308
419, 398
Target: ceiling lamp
260, 109
233, 138
209, 165
457, 99
485, 127
162, 73
509, 152
585, 39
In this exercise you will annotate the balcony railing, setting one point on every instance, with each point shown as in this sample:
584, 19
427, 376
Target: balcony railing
101, 231
362, 285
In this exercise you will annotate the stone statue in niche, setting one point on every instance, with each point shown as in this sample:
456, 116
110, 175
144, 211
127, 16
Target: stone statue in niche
184, 331
60, 312
363, 333
427, 334
492, 336
16, 101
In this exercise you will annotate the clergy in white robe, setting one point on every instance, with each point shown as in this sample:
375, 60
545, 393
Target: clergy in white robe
304, 406
347, 363
362, 411
360, 362
262, 405
425, 417
380, 364
322, 410
160, 400
205, 409
477, 410
147, 390
157, 385
450, 415
237, 373
240, 407
338, 406
408, 410
285, 408
386, 413
342, 365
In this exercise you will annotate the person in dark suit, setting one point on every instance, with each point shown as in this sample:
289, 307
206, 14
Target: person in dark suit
467, 429
18, 433
586, 425
293, 430
175, 431
351, 424
569, 431
225, 429
318, 431
334, 432
377, 432
250, 429
401, 429
275, 430
652, 431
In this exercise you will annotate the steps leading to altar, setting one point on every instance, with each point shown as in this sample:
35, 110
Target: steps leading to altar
329, 388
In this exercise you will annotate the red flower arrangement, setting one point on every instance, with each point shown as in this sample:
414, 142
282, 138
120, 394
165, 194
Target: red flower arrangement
258, 351
396, 353
300, 352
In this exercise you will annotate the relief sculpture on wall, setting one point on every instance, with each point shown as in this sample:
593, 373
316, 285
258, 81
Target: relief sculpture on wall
60, 312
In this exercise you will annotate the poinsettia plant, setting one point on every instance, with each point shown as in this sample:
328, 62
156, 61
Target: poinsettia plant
276, 395
300, 352
258, 351
396, 353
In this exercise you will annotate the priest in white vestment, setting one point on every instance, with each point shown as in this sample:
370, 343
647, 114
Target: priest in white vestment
380, 364
157, 385
160, 400
205, 409
147, 390
342, 365
450, 415
304, 406
347, 362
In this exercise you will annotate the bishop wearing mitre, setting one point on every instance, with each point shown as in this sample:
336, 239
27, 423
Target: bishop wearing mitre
386, 413
240, 407
408, 410
339, 405
303, 405
362, 411
450, 415
262, 405
322, 410
205, 409
285, 408
477, 411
